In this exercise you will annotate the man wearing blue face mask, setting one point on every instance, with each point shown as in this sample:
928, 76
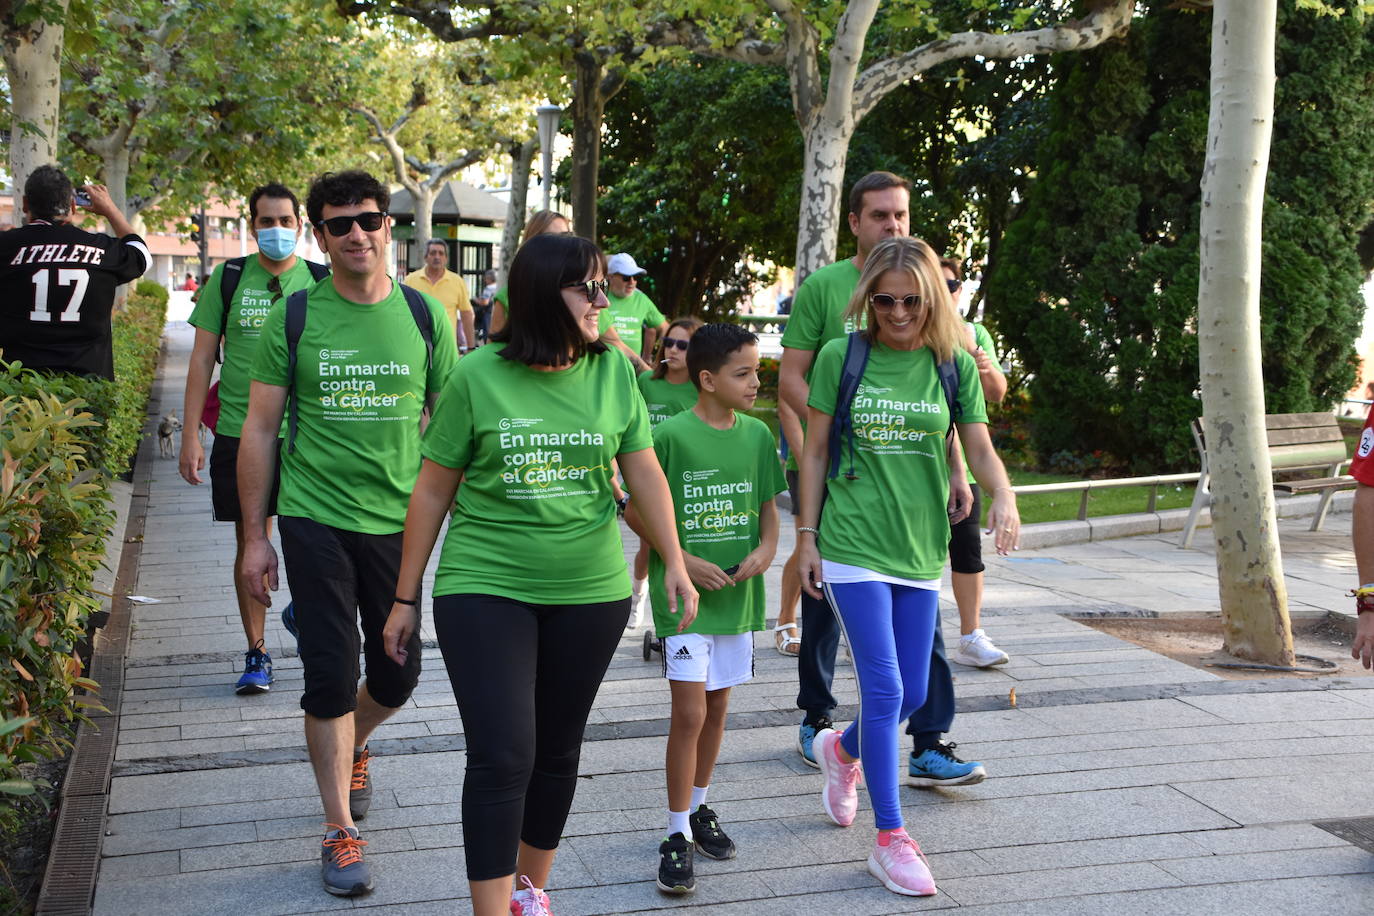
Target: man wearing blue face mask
230, 313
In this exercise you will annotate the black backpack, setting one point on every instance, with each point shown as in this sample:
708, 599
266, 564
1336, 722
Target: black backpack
295, 326
227, 291
842, 426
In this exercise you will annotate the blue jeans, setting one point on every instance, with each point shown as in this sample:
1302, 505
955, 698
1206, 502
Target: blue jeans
890, 629
820, 639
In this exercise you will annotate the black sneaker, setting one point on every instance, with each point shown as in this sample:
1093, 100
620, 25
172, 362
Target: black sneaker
675, 866
708, 836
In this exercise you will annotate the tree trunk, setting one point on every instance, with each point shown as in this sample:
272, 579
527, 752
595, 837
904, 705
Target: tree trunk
521, 159
114, 171
825, 151
423, 195
33, 62
1254, 598
589, 110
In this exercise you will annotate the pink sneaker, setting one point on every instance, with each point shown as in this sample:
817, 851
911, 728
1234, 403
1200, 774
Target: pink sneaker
840, 794
901, 865
530, 902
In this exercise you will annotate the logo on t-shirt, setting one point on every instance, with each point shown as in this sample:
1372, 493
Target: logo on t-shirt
353, 390
881, 422
1366, 443
541, 465
709, 512
517, 422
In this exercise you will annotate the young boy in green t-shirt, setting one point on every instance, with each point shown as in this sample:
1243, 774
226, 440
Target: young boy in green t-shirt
723, 470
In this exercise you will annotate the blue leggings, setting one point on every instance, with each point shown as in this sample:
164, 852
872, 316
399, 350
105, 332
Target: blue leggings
890, 629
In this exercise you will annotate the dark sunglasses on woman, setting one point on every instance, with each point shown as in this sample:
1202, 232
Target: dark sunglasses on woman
590, 287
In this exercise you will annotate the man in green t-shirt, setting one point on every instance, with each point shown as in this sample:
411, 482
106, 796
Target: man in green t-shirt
254, 285
634, 315
363, 372
879, 208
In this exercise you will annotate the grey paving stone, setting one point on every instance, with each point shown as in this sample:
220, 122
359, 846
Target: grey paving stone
144, 865
1091, 879
1264, 838
1281, 707
1054, 856
270, 890
1259, 866
177, 748
1070, 720
1317, 795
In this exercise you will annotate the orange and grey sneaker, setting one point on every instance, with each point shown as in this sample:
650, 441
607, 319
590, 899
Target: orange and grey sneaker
360, 786
345, 872
530, 900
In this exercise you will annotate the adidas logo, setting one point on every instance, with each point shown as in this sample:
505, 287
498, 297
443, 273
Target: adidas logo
682, 652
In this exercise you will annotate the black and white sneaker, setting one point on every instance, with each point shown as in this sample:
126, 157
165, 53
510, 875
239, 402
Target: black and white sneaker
675, 866
708, 836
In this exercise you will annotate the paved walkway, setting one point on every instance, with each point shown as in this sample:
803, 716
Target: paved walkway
1121, 782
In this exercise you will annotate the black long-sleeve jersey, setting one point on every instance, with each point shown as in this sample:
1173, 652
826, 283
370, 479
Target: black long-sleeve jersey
57, 288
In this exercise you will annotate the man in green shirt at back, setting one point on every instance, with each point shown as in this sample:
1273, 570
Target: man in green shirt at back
634, 315
253, 285
368, 356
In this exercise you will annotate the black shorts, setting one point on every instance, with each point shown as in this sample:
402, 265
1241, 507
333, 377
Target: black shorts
224, 480
338, 579
966, 540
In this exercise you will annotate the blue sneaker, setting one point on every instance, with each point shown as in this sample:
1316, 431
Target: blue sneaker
288, 619
257, 672
807, 734
938, 766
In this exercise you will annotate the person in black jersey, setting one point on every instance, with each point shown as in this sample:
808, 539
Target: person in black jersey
58, 282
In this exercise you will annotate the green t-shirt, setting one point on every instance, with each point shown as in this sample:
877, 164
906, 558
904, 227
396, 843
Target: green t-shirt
247, 313
719, 479
535, 517
981, 338
893, 517
630, 315
360, 387
663, 398
818, 308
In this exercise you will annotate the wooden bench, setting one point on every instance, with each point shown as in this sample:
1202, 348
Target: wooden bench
1297, 441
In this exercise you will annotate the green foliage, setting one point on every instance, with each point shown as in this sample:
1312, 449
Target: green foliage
54, 520
62, 440
154, 290
1095, 285
768, 378
699, 166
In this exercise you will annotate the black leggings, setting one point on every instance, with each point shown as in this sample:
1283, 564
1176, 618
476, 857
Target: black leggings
525, 676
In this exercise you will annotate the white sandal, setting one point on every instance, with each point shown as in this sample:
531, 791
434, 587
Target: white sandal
783, 643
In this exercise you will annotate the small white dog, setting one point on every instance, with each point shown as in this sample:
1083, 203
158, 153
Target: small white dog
166, 435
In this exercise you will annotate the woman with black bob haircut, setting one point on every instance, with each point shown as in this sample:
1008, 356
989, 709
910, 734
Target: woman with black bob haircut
531, 593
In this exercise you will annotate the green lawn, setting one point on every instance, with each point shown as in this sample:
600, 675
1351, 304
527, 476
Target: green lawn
1055, 507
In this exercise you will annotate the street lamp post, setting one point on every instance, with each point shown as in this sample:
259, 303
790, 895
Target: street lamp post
548, 129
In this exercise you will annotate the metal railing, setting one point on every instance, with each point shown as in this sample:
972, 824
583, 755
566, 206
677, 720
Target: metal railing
1087, 486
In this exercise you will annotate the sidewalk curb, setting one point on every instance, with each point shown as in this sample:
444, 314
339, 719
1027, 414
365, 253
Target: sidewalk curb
74, 857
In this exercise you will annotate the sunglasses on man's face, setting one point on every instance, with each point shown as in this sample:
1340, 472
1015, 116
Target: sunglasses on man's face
672, 342
342, 225
590, 287
882, 301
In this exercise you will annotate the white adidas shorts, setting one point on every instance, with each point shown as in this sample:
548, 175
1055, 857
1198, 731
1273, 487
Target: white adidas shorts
719, 661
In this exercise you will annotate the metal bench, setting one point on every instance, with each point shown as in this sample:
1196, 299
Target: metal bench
1297, 441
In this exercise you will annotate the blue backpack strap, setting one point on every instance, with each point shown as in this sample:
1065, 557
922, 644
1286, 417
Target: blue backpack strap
842, 425
424, 320
317, 270
295, 325
949, 381
228, 286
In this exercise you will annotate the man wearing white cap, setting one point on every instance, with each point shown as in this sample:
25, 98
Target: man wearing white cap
634, 315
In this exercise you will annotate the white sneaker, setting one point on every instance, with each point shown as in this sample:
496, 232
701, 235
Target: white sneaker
977, 651
637, 602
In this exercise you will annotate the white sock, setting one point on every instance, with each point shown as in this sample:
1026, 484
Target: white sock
678, 823
698, 796
641, 586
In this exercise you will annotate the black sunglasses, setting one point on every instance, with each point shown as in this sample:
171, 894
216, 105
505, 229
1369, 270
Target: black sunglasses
953, 285
883, 302
274, 287
342, 225
590, 287
670, 343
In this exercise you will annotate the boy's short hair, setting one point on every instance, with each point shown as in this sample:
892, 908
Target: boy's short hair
344, 189
49, 193
275, 190
712, 345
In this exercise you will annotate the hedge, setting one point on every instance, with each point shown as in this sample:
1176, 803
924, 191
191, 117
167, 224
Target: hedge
62, 441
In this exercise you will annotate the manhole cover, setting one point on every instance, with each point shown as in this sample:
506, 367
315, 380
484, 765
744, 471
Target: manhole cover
1358, 831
